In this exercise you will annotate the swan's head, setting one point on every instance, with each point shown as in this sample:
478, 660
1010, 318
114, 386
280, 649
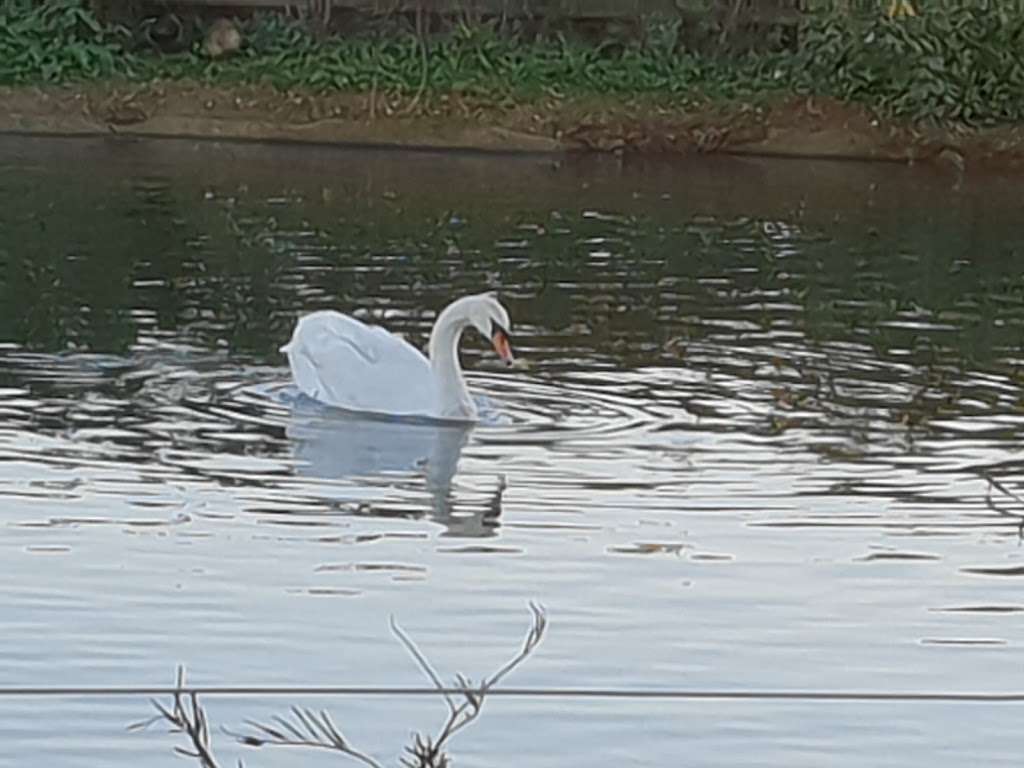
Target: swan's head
491, 319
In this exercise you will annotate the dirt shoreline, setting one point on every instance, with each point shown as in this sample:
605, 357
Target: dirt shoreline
799, 128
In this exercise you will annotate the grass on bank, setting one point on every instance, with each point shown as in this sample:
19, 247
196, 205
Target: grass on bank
959, 61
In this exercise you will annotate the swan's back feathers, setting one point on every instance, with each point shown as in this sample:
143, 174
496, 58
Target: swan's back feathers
340, 361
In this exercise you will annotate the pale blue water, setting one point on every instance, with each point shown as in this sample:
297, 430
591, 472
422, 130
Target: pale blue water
747, 451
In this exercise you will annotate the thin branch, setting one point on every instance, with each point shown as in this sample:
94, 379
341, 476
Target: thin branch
316, 730
993, 483
990, 503
193, 724
429, 753
729, 27
307, 729
421, 38
428, 670
530, 643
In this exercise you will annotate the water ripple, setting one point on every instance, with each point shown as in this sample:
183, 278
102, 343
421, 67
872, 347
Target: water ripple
751, 434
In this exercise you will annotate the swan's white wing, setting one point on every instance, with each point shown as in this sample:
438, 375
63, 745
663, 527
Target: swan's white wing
342, 362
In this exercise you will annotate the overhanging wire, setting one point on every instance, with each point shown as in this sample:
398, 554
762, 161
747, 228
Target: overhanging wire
254, 691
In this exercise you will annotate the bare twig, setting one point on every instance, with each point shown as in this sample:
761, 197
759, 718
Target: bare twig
533, 637
410, 646
307, 729
729, 26
421, 37
990, 503
993, 483
427, 752
188, 719
316, 730
373, 98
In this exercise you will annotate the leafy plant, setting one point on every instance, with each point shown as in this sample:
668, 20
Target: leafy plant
56, 41
956, 61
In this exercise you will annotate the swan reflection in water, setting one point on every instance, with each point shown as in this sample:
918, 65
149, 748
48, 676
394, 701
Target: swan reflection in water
334, 444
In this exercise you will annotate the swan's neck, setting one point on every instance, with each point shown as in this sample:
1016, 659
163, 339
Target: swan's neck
454, 401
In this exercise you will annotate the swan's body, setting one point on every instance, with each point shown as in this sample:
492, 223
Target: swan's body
345, 363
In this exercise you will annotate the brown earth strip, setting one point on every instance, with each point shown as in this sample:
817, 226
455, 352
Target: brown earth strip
794, 127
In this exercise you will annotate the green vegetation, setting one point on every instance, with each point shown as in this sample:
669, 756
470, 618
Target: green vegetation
958, 61
56, 42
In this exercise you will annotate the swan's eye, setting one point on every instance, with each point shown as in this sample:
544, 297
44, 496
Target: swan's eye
497, 328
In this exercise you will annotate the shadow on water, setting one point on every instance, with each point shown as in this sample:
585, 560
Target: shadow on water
330, 444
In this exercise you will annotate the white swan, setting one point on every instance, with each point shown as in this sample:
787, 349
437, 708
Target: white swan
344, 363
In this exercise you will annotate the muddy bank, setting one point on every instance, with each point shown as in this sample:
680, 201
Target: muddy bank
804, 127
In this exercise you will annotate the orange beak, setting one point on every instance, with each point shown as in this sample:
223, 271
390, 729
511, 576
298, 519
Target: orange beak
502, 345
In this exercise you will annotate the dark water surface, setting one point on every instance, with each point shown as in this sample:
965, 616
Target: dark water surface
748, 450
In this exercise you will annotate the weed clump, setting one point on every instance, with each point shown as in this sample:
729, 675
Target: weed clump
957, 61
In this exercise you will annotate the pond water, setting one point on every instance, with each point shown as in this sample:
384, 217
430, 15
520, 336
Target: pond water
747, 449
